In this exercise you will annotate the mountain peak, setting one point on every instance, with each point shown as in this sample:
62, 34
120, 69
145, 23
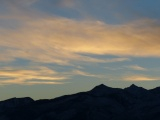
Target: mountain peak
101, 86
102, 89
136, 90
134, 86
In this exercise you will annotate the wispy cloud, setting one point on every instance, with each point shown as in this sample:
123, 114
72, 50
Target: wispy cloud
140, 78
86, 74
61, 40
137, 67
41, 75
51, 39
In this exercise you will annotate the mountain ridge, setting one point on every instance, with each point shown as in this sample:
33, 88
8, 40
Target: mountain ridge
100, 103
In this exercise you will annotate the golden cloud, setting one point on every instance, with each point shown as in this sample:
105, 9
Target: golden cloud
61, 40
140, 78
42, 75
86, 74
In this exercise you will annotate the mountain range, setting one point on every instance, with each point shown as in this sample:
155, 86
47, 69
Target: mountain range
100, 103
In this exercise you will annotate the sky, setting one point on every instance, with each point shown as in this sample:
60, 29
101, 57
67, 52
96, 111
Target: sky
50, 48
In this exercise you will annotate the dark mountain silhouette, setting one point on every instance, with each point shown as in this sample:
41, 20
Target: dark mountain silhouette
100, 103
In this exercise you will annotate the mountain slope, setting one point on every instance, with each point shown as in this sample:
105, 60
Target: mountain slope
101, 103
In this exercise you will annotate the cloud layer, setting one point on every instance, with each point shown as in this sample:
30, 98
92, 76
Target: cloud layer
45, 39
59, 40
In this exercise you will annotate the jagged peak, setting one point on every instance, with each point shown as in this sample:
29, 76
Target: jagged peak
134, 87
101, 86
102, 89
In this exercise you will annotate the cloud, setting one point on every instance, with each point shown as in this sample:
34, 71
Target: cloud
132, 67
140, 78
72, 37
48, 41
18, 11
86, 74
41, 39
136, 67
41, 75
62, 41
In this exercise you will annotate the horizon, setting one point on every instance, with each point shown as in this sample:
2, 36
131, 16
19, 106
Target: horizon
50, 48
100, 85
131, 85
